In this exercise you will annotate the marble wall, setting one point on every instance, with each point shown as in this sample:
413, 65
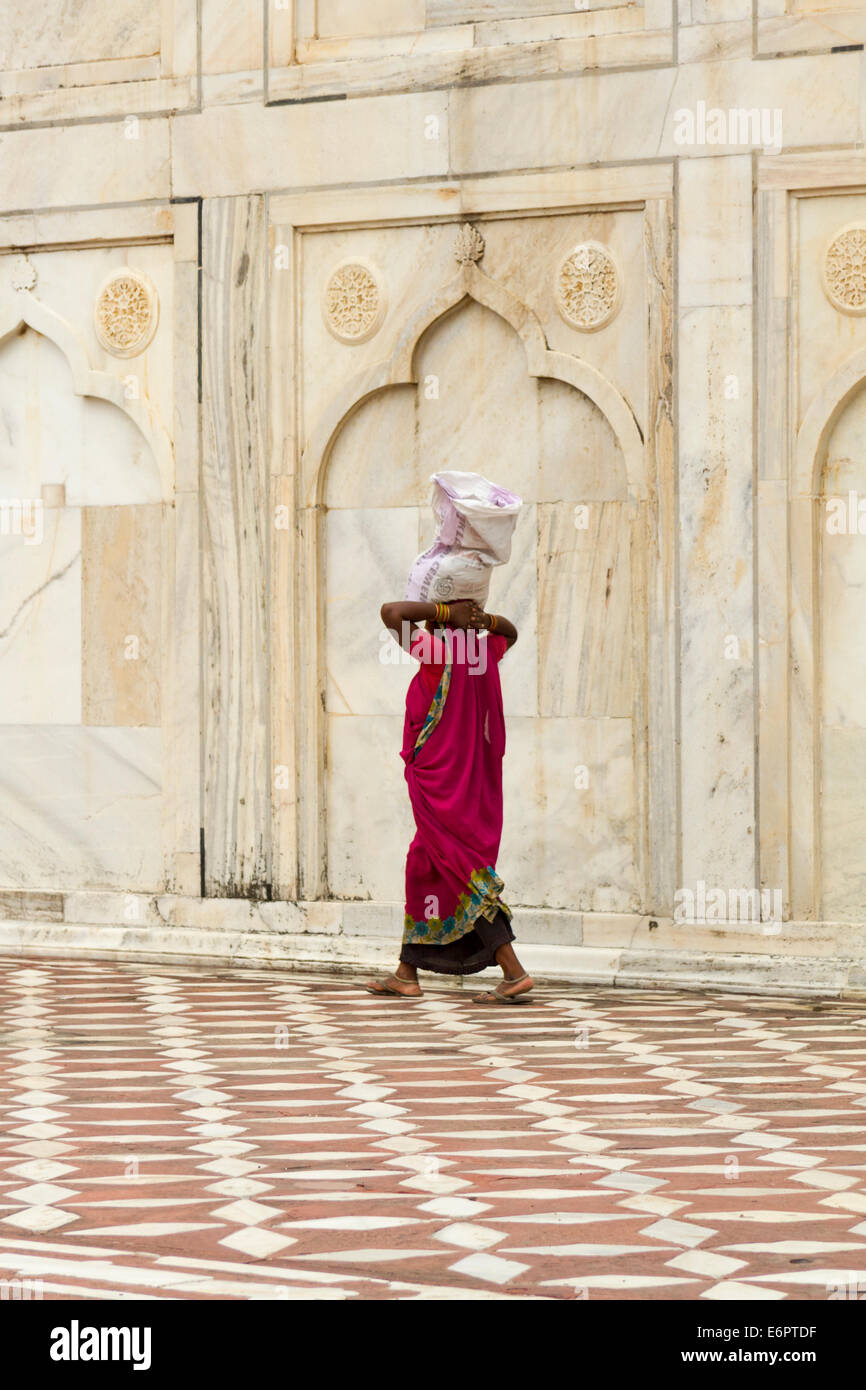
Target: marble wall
264, 269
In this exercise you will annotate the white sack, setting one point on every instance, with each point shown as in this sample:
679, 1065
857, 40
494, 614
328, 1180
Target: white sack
476, 522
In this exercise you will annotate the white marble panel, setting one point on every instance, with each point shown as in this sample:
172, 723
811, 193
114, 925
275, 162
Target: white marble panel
825, 338
585, 611
473, 391
715, 231
229, 149
719, 11
716, 586
843, 575
374, 461
344, 18
40, 34
459, 12
231, 35
745, 85
80, 808
236, 497
124, 574
842, 804
843, 635
413, 261
369, 556
474, 403
563, 845
40, 622
68, 281
842, 811
370, 823
808, 24
507, 126
579, 458
525, 255
514, 594
50, 435
711, 43
485, 417
90, 162
529, 124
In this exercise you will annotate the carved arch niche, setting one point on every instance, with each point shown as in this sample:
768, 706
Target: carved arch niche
471, 381
811, 552
89, 645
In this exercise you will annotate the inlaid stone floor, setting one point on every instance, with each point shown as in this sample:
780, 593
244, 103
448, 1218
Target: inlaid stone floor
201, 1133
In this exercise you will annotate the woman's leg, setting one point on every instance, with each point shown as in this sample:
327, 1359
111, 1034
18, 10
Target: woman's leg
516, 980
403, 981
507, 960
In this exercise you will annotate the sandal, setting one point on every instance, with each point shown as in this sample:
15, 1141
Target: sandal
498, 995
387, 986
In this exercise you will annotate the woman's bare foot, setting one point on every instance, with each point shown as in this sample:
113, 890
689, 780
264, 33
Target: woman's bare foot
404, 982
521, 985
515, 983
506, 992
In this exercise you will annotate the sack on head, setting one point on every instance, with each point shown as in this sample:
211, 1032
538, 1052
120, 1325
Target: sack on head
476, 522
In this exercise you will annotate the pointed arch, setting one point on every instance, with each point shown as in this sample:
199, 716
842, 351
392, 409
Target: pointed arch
23, 310
398, 369
820, 419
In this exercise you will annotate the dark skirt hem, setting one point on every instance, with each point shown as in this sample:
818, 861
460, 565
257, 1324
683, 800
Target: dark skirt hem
474, 951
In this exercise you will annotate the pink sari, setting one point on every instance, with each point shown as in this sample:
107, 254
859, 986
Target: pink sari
453, 745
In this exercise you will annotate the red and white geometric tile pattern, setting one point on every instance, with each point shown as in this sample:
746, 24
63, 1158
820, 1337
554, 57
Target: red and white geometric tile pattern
177, 1133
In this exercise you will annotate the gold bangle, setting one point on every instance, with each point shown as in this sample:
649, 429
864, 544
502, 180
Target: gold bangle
492, 627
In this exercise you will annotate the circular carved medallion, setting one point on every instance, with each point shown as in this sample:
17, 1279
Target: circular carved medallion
126, 312
844, 269
353, 301
588, 286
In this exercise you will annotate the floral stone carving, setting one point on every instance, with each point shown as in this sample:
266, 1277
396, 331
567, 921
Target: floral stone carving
588, 286
126, 312
844, 269
468, 244
353, 301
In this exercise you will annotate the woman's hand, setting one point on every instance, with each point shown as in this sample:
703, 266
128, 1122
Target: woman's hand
466, 614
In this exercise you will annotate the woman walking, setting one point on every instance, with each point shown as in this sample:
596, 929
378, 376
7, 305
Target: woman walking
453, 745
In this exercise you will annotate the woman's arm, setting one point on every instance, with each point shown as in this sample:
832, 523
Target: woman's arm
402, 617
494, 622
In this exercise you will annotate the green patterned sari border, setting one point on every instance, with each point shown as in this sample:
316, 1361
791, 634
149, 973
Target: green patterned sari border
434, 713
480, 898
